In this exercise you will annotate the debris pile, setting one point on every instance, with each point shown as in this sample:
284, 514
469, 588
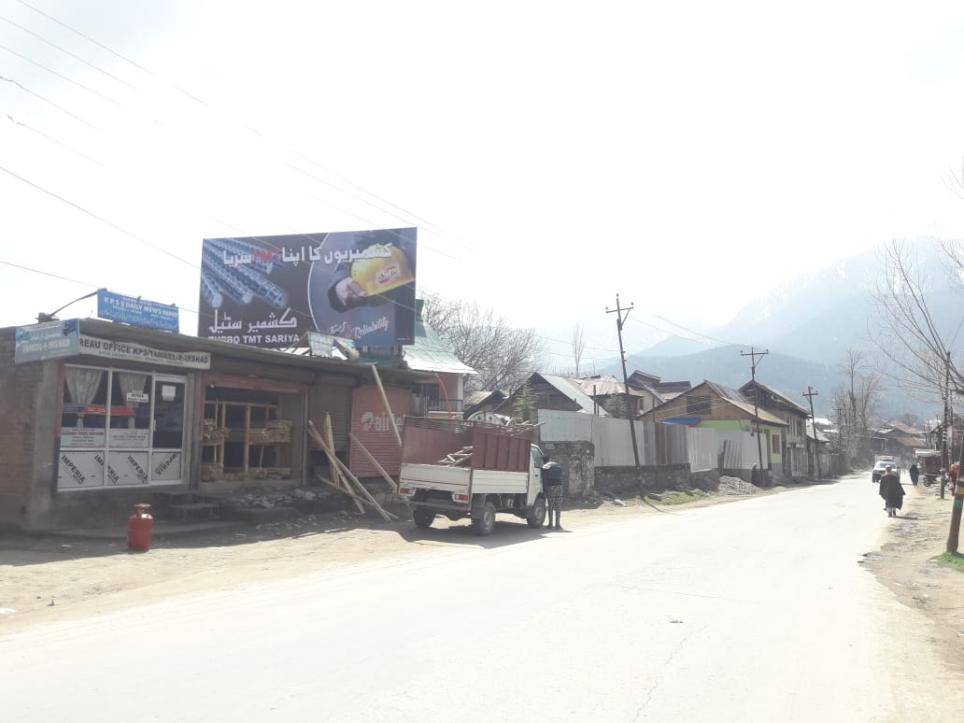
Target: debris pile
736, 486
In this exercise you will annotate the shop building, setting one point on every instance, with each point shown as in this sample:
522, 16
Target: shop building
112, 414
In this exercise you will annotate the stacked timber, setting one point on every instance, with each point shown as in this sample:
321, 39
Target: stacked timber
457, 459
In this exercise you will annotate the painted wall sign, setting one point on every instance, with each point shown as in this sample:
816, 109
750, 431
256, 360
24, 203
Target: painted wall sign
129, 351
49, 340
137, 312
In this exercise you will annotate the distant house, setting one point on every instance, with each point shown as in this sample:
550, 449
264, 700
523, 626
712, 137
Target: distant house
549, 391
612, 394
794, 442
719, 407
818, 446
898, 439
483, 401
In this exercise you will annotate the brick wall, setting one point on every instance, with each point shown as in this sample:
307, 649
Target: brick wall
18, 386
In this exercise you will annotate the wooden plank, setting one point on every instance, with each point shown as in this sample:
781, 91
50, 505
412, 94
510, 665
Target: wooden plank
358, 500
247, 431
253, 383
330, 438
371, 458
387, 516
388, 408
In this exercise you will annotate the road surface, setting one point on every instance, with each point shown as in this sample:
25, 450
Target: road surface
752, 611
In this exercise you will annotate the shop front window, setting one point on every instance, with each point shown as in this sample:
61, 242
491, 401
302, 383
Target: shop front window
120, 428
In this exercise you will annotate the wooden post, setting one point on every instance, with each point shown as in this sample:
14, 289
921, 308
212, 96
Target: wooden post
358, 500
375, 464
388, 408
330, 436
387, 516
954, 535
247, 435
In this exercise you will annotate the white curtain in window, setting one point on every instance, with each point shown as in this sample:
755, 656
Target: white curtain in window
82, 385
129, 382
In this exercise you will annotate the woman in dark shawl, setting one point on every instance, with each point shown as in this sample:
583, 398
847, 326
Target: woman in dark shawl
892, 492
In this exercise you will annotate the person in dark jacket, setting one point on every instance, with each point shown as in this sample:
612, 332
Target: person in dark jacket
892, 492
552, 486
914, 473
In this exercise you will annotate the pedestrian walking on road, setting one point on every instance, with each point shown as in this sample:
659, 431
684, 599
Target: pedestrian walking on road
892, 492
914, 473
552, 486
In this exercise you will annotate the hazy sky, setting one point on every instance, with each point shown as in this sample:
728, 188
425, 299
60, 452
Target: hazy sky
689, 155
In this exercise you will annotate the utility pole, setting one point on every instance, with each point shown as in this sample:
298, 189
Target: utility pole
810, 394
954, 534
945, 456
621, 314
753, 354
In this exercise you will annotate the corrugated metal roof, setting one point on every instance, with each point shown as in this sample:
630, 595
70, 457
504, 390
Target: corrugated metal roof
431, 353
778, 394
574, 393
604, 386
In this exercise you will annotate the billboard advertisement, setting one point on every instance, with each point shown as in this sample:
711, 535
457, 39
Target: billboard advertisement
269, 291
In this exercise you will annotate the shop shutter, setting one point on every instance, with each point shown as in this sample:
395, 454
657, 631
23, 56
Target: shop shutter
370, 423
336, 401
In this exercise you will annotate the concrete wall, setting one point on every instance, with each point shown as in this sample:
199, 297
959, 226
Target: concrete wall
576, 460
631, 482
18, 388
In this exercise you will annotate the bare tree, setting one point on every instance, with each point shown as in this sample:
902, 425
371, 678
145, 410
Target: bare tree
578, 345
503, 356
855, 405
909, 336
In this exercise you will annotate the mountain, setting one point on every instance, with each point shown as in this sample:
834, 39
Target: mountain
820, 315
676, 346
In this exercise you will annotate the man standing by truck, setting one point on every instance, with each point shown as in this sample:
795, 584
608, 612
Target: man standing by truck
552, 486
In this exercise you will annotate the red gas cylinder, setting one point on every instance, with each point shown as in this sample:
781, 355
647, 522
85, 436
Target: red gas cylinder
140, 528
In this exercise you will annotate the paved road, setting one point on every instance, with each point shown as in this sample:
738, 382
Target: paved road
752, 611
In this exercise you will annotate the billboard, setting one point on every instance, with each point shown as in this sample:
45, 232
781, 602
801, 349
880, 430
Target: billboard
269, 291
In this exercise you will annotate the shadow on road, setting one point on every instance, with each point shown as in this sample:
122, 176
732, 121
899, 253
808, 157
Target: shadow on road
505, 533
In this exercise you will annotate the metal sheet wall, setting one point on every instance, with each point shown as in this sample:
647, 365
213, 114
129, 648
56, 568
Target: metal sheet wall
370, 423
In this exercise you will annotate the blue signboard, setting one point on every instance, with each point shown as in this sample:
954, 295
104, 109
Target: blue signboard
136, 312
49, 340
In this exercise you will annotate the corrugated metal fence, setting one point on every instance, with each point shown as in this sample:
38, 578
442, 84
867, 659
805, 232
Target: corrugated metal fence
666, 444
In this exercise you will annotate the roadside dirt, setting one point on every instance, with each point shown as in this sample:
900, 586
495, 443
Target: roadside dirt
906, 564
54, 578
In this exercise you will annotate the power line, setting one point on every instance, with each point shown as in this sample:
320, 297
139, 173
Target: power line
51, 139
79, 59
103, 220
439, 230
27, 90
63, 77
86, 37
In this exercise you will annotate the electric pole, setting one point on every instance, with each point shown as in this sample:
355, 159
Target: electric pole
753, 354
945, 455
621, 314
810, 394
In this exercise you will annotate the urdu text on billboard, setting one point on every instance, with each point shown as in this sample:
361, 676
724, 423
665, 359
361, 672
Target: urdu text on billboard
268, 291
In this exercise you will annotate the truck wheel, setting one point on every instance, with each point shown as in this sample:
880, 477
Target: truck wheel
537, 513
423, 517
484, 523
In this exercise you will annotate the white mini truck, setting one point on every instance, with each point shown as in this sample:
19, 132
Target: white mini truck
470, 469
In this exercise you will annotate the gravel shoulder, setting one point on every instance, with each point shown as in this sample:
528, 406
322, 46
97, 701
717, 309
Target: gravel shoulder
46, 579
907, 564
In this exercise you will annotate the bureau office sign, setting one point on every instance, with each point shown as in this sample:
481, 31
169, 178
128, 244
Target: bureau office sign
269, 291
129, 351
